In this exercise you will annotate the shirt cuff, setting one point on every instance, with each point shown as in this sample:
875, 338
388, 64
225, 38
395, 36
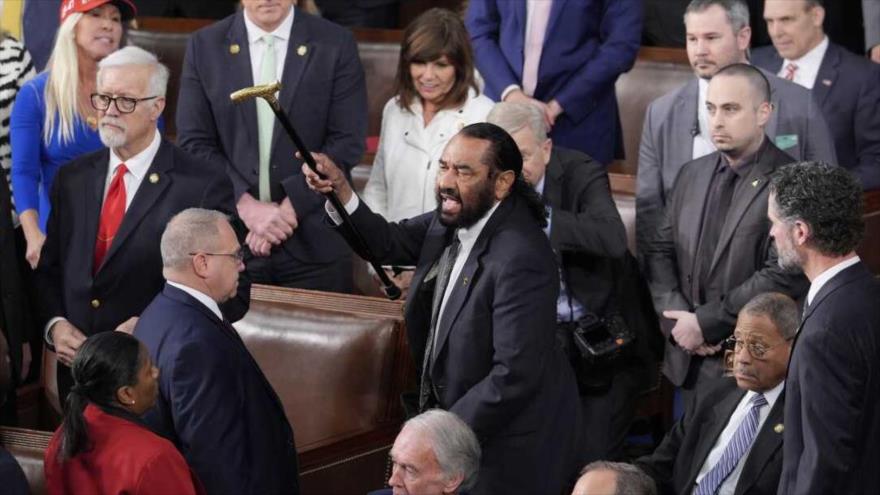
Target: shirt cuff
46, 335
350, 207
509, 89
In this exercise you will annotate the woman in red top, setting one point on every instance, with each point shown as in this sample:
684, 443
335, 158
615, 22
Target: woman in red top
102, 447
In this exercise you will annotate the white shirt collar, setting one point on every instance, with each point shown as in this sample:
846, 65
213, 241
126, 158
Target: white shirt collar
138, 164
808, 65
770, 395
200, 297
282, 32
468, 236
827, 275
540, 187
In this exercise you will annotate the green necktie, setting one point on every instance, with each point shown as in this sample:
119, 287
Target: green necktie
265, 116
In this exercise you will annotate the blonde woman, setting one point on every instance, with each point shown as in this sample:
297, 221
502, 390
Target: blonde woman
53, 120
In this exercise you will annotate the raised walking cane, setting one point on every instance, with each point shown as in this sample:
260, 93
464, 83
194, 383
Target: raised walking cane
267, 92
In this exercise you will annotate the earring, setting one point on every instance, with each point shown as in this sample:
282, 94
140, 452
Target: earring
132, 402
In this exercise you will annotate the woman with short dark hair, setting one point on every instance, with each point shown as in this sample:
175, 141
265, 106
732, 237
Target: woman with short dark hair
102, 446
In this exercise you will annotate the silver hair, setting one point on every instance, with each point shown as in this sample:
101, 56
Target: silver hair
779, 308
191, 230
133, 55
630, 479
454, 443
514, 116
737, 11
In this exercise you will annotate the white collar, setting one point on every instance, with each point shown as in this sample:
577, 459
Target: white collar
769, 395
138, 164
827, 275
468, 236
282, 32
200, 297
812, 58
539, 188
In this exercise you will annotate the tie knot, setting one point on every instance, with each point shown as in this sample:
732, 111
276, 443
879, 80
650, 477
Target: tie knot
759, 401
269, 39
121, 170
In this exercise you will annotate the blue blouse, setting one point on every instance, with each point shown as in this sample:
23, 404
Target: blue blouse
34, 162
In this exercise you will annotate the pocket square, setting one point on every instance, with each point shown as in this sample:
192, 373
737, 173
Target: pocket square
785, 141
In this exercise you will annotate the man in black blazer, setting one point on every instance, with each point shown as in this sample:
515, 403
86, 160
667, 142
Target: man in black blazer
845, 85
94, 278
832, 411
484, 341
599, 277
214, 402
697, 443
712, 252
324, 94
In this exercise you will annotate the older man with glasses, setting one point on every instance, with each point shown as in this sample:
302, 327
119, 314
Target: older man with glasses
732, 442
100, 265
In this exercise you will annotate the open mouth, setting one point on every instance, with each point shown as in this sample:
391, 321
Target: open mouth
450, 204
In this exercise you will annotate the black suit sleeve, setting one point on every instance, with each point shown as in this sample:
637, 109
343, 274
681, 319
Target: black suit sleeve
661, 463
661, 270
48, 273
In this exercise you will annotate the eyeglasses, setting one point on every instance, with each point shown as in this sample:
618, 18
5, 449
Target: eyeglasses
238, 255
123, 103
757, 349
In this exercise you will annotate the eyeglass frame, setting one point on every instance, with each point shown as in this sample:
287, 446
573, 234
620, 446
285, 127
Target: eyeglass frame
238, 255
115, 101
732, 342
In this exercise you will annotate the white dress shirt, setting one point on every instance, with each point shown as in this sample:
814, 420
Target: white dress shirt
739, 414
257, 44
807, 66
200, 297
827, 275
703, 141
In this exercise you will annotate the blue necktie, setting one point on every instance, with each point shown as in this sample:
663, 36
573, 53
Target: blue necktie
738, 445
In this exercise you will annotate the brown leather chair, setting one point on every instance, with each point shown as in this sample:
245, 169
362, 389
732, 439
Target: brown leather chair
27, 446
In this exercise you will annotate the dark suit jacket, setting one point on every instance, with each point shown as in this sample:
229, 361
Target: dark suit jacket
14, 320
832, 433
743, 265
587, 232
323, 93
588, 43
214, 402
848, 90
676, 462
131, 274
498, 366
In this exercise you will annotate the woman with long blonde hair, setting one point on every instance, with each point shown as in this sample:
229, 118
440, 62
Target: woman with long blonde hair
53, 121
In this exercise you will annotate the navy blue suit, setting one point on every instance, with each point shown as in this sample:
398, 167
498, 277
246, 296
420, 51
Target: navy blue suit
497, 364
214, 403
588, 43
324, 94
848, 90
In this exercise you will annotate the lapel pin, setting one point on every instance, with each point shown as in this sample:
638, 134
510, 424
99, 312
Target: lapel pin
826, 82
464, 281
755, 183
301, 50
154, 178
234, 48
779, 428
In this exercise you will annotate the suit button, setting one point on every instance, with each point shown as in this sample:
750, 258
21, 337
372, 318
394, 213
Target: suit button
96, 303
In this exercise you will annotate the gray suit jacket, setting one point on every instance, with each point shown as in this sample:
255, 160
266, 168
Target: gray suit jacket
743, 265
667, 142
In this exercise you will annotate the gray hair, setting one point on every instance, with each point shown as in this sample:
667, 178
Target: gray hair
191, 230
630, 479
779, 308
454, 444
737, 11
513, 116
133, 55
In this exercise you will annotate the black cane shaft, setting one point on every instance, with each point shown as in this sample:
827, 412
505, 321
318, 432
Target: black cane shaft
391, 290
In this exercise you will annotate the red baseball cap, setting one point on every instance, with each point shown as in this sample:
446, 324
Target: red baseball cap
126, 7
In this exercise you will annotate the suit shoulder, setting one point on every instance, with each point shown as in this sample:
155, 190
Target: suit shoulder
578, 168
325, 30
215, 30
83, 164
786, 89
663, 105
764, 56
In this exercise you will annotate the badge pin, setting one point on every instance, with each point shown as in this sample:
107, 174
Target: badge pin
154, 178
779, 428
301, 50
826, 82
755, 183
234, 48
464, 281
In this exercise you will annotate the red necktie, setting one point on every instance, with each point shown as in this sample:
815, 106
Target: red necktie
111, 216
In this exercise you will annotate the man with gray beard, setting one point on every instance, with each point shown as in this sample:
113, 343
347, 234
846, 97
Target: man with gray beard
100, 265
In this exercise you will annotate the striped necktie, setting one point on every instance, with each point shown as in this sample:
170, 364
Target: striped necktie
736, 448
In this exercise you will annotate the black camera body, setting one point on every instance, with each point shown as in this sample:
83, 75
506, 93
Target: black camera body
600, 340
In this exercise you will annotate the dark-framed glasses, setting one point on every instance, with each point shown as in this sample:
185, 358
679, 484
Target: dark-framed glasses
757, 349
124, 104
238, 255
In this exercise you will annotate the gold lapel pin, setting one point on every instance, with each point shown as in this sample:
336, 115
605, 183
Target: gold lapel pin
234, 48
779, 428
464, 281
755, 183
154, 178
301, 50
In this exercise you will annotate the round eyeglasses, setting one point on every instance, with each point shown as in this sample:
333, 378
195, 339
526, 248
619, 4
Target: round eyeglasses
124, 104
757, 349
238, 255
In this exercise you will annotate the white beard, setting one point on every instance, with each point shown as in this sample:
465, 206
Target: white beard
113, 138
